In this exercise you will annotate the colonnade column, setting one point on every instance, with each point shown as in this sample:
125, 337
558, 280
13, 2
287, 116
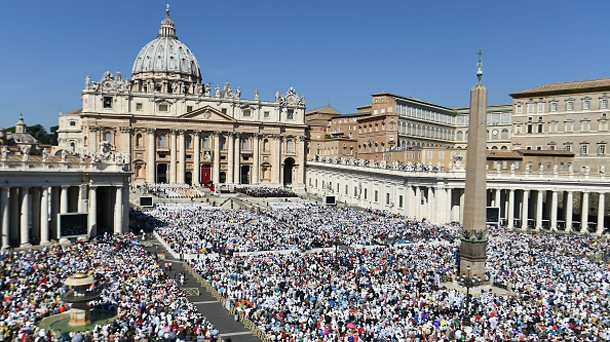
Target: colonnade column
584, 212
4, 211
35, 215
172, 157
554, 210
118, 209
230, 157
497, 193
197, 159
25, 215
256, 163
216, 174
63, 205
525, 210
92, 231
510, 213
125, 203
44, 216
151, 164
182, 161
461, 218
431, 200
448, 193
600, 213
236, 168
418, 203
539, 201
569, 207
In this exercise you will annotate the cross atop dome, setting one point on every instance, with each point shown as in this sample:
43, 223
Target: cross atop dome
167, 26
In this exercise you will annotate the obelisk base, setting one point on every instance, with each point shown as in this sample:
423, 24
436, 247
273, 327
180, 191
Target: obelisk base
473, 254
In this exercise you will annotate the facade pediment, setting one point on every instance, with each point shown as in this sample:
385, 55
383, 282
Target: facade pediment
208, 113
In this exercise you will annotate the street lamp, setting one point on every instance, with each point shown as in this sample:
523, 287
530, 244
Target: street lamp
468, 281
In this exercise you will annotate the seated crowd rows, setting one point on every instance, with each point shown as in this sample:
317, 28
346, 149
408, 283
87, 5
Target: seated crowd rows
557, 289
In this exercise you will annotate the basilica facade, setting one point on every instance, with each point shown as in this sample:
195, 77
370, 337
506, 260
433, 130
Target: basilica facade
174, 128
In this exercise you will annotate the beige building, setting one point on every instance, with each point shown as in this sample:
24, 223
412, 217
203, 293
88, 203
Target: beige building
173, 128
499, 127
570, 116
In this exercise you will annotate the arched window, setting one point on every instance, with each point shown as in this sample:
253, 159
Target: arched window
108, 136
188, 141
290, 146
266, 145
138, 140
460, 136
504, 134
245, 144
206, 141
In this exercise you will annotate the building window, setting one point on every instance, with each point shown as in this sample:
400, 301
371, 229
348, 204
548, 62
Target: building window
569, 105
163, 107
188, 141
569, 126
585, 125
138, 140
162, 140
400, 201
530, 108
504, 134
601, 149
376, 196
72, 123
247, 112
540, 107
553, 127
189, 109
586, 104
568, 148
584, 149
223, 110
107, 102
138, 106
553, 106
245, 144
365, 194
519, 109
539, 128
290, 114
290, 146
266, 115
603, 103
108, 136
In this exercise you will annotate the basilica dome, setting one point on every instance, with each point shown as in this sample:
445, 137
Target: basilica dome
166, 57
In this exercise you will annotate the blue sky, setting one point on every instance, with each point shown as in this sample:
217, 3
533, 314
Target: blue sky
337, 52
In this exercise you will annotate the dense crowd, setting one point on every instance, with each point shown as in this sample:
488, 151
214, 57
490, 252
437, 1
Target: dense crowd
148, 302
173, 191
204, 230
265, 191
556, 287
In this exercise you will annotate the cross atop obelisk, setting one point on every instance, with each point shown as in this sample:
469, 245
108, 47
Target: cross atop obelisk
473, 247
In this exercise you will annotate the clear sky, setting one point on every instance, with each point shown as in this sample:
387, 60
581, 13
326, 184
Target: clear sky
331, 51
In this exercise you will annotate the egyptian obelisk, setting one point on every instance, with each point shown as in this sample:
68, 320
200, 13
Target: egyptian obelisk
473, 247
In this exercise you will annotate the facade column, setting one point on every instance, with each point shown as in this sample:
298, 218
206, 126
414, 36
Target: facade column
63, 205
449, 194
237, 168
569, 209
25, 215
510, 213
82, 198
151, 165
182, 159
600, 213
93, 144
118, 210
554, 210
584, 212
125, 203
230, 157
92, 231
126, 130
256, 163
276, 167
5, 212
197, 158
431, 204
497, 193
301, 160
44, 216
526, 207
418, 209
216, 174
539, 201
172, 157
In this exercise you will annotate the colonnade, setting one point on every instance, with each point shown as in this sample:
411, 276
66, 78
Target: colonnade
29, 213
560, 204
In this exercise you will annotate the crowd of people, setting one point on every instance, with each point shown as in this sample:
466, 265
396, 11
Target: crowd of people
556, 287
265, 191
147, 301
173, 191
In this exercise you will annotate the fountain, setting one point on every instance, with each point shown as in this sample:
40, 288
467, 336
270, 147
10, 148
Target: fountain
79, 296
